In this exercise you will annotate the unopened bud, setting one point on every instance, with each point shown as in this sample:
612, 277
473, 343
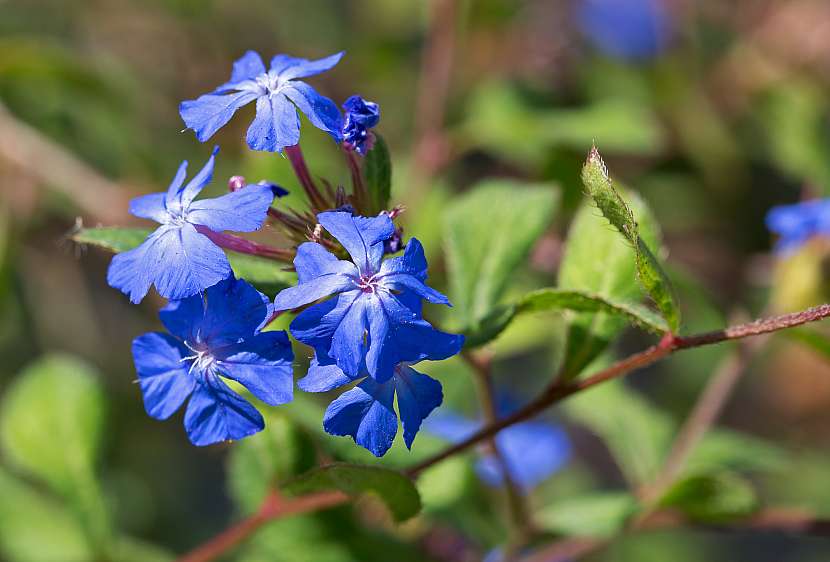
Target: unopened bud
236, 183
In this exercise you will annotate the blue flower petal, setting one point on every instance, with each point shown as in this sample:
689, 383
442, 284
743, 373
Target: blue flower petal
262, 364
320, 110
348, 347
151, 206
247, 67
532, 451
317, 288
362, 237
451, 426
315, 326
242, 211
313, 260
402, 282
229, 312
322, 378
412, 262
290, 68
366, 414
179, 261
275, 126
210, 112
215, 413
163, 376
418, 396
183, 197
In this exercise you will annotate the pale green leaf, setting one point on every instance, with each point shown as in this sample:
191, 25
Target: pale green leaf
712, 498
601, 514
488, 234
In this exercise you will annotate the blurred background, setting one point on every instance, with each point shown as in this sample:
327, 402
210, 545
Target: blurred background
712, 111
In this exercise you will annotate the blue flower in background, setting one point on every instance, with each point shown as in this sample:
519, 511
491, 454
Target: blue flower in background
213, 337
532, 450
626, 29
178, 259
366, 412
278, 95
374, 322
796, 224
361, 115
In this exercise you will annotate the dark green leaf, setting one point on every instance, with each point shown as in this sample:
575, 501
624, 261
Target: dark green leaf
601, 514
394, 489
712, 498
266, 274
489, 233
377, 173
614, 208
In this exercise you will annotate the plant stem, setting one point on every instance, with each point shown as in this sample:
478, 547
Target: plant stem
244, 246
361, 196
554, 393
316, 199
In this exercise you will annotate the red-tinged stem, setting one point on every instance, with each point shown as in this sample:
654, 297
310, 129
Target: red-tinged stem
553, 394
358, 185
295, 156
274, 507
243, 246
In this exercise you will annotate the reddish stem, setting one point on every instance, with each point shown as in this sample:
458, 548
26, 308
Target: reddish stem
361, 196
295, 156
243, 246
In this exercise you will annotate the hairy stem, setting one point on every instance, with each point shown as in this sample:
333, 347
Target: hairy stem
553, 394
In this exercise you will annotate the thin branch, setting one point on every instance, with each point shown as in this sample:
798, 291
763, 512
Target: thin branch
298, 163
555, 393
274, 507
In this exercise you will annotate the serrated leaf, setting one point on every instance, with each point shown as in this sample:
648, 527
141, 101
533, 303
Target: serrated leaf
266, 274
712, 498
553, 299
614, 208
489, 233
36, 528
601, 514
394, 489
50, 427
377, 174
600, 262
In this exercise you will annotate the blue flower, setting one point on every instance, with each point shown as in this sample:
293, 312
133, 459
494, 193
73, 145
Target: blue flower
796, 224
361, 115
532, 450
626, 29
177, 258
278, 95
366, 412
370, 325
213, 337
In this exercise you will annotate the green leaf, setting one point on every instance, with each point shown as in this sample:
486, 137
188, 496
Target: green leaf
614, 208
264, 273
50, 426
377, 174
599, 262
601, 514
36, 528
394, 489
712, 498
553, 299
813, 339
489, 233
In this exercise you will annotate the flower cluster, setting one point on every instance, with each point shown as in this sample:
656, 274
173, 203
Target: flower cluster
362, 316
798, 223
